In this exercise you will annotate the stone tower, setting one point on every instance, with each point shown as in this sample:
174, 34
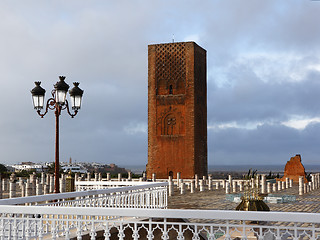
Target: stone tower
177, 110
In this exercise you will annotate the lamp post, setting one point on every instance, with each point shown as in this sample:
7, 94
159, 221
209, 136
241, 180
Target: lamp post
57, 103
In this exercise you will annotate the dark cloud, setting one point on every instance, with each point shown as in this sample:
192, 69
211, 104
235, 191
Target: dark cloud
267, 144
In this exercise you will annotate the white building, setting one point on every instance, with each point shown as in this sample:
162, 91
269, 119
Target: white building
28, 166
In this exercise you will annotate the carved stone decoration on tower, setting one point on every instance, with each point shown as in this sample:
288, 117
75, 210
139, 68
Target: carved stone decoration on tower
177, 110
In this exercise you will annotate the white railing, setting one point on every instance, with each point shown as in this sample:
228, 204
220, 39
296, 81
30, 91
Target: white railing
149, 195
93, 185
44, 222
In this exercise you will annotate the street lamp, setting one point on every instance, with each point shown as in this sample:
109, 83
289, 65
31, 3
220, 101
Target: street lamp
58, 103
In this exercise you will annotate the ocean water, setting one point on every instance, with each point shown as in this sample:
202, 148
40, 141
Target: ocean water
138, 169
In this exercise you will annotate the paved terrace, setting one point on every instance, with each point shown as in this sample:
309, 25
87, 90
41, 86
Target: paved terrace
216, 199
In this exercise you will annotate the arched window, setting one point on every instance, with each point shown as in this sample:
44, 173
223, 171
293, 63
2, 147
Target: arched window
169, 123
171, 174
170, 89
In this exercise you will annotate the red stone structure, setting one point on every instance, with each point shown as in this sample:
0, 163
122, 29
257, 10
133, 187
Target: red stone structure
294, 169
177, 110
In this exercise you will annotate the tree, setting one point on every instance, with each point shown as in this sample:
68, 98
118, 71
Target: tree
3, 168
51, 168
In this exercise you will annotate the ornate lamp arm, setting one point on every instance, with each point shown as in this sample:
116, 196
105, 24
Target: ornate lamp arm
49, 105
68, 110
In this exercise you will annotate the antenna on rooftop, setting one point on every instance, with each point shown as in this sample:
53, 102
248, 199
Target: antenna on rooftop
172, 38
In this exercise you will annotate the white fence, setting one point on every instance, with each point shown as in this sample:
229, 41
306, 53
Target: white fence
48, 222
93, 185
150, 195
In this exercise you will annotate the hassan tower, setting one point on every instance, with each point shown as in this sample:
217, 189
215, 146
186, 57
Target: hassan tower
177, 110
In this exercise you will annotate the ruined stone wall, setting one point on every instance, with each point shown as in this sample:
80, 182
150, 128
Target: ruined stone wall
177, 112
294, 169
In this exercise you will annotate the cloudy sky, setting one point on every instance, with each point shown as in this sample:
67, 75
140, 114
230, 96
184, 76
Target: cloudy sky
263, 62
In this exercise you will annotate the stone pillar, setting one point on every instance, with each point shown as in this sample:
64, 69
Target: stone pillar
310, 187
0, 187
217, 185
28, 188
96, 177
223, 182
4, 185
108, 176
201, 185
192, 186
209, 182
88, 176
305, 188
196, 180
62, 184
33, 178
290, 183
263, 183
301, 185
227, 187
230, 180
51, 186
257, 181
204, 178
312, 181
153, 177
240, 186
279, 185
23, 189
287, 182
179, 183
48, 179
43, 178
99, 176
170, 187
45, 189
283, 185
182, 187
12, 189
268, 187
178, 179
119, 177
20, 180
129, 176
234, 186
39, 189
274, 187
144, 175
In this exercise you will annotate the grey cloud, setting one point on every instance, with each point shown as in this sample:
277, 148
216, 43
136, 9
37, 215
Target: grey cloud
268, 144
103, 45
251, 98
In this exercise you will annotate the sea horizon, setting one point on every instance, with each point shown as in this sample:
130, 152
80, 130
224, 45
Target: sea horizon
237, 168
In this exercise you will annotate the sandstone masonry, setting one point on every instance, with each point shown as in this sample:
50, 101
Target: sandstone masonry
177, 110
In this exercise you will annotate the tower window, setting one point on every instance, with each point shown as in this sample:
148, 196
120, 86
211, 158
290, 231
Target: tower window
170, 89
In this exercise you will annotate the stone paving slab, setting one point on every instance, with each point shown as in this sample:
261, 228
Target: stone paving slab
216, 199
